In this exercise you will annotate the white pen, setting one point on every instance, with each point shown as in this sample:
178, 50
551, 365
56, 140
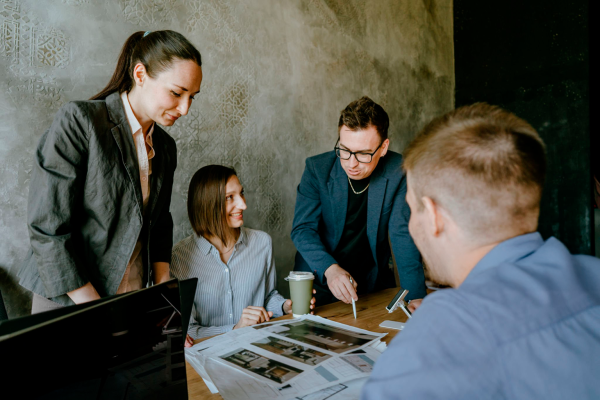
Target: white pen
353, 305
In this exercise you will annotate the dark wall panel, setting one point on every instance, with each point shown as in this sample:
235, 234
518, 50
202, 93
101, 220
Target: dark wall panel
532, 59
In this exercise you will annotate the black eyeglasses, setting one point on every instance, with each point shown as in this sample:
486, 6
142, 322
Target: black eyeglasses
361, 157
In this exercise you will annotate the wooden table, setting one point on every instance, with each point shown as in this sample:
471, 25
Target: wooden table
370, 312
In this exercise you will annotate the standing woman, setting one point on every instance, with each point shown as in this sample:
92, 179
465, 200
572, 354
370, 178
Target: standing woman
98, 212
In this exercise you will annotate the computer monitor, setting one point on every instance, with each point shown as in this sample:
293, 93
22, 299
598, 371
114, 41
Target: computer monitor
128, 346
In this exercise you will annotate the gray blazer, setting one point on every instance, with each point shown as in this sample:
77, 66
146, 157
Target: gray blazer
85, 202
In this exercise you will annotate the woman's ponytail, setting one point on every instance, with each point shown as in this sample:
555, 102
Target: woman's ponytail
155, 50
121, 79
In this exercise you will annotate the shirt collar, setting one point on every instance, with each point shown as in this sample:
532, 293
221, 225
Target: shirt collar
243, 239
510, 250
204, 245
134, 124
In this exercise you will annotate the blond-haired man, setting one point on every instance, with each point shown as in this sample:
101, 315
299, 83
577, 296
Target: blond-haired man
522, 319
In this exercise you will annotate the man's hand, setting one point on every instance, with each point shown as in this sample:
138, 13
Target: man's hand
287, 305
189, 342
338, 281
414, 304
253, 315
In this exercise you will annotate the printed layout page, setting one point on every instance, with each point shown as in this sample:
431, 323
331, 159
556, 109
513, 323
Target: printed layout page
338, 377
307, 350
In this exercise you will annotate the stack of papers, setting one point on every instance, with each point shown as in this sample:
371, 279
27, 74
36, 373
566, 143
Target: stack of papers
309, 358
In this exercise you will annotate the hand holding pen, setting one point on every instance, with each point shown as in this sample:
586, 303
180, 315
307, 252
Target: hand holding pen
339, 284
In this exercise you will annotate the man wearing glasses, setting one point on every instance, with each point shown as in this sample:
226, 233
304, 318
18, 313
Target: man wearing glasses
348, 201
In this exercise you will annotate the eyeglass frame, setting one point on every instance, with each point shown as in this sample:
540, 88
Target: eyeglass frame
353, 153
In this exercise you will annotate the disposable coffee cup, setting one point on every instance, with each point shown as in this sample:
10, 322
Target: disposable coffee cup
301, 285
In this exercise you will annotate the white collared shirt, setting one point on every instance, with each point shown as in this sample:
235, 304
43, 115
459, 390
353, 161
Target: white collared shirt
132, 279
144, 149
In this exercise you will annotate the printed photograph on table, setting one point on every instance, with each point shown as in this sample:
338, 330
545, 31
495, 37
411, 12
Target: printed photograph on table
260, 326
267, 324
336, 340
361, 362
292, 351
263, 366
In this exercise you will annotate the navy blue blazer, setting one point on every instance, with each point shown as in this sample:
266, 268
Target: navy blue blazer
320, 215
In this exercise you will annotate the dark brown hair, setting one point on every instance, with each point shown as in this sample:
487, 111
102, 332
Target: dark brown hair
206, 202
363, 113
484, 164
157, 51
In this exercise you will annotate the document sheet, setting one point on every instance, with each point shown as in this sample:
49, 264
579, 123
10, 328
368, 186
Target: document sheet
286, 359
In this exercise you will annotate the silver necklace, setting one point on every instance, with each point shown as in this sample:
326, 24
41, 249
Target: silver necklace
355, 192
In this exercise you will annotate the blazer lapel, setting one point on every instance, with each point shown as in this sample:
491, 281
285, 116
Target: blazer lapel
124, 140
338, 192
377, 189
158, 168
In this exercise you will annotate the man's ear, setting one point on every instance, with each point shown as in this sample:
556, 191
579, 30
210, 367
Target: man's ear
434, 218
139, 74
384, 147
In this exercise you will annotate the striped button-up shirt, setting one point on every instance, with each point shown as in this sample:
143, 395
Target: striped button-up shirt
224, 290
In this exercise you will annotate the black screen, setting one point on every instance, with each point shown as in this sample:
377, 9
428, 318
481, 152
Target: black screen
124, 347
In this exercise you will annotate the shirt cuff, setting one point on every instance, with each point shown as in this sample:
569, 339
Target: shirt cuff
281, 308
199, 332
274, 302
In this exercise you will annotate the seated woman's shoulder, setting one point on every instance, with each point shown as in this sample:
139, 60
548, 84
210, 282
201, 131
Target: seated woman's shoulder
181, 256
258, 236
184, 244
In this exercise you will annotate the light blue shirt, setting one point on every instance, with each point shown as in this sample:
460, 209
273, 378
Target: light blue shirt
525, 324
225, 289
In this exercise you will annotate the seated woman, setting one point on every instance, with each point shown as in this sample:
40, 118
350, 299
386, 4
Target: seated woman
234, 264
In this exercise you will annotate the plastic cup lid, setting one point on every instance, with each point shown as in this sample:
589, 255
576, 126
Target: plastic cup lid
299, 276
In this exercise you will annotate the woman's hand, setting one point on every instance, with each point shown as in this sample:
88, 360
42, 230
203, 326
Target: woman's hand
189, 342
84, 294
287, 306
161, 272
253, 315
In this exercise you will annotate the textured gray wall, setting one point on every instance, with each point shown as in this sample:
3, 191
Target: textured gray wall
276, 76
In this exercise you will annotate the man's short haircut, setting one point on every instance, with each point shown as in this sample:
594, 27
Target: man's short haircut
363, 113
206, 202
484, 165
